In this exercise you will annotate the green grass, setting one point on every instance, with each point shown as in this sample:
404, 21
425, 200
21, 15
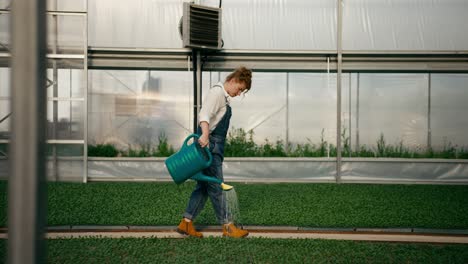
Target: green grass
254, 250
307, 205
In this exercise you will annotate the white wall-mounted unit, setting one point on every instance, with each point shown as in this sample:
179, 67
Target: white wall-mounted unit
201, 27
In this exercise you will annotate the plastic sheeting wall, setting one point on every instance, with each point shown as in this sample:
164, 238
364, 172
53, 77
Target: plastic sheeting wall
235, 169
65, 169
305, 170
449, 121
136, 108
293, 25
406, 109
394, 170
405, 25
4, 102
133, 108
289, 25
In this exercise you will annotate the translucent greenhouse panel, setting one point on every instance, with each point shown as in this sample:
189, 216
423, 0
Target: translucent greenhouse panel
5, 112
391, 114
449, 119
290, 25
349, 119
405, 25
68, 163
263, 109
66, 34
312, 113
66, 5
70, 120
5, 82
138, 109
5, 116
148, 24
285, 25
4, 32
70, 83
260, 113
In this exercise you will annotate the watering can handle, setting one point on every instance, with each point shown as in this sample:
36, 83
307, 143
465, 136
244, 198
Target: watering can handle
189, 137
205, 148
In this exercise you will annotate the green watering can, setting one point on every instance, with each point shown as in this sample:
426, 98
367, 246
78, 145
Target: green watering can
189, 161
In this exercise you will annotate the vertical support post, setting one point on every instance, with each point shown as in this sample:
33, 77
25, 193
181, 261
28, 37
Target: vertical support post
85, 106
195, 91
26, 193
211, 79
287, 114
338, 90
357, 112
350, 108
199, 85
54, 45
429, 132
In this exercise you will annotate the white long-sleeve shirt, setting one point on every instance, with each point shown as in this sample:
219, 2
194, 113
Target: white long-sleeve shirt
214, 106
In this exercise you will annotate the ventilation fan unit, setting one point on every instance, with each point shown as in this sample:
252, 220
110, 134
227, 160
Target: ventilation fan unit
201, 27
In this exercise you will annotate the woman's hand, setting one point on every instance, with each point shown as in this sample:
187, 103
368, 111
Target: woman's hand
204, 140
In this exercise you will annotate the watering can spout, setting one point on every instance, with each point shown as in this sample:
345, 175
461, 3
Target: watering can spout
226, 187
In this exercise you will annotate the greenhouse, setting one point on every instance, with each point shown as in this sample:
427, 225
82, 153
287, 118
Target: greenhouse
373, 93
343, 92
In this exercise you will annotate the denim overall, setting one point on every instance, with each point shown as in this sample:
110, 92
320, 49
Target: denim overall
213, 190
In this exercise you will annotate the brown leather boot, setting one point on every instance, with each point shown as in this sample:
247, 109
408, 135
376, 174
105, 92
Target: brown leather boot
230, 230
186, 228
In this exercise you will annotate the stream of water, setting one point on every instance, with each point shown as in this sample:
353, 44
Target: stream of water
232, 213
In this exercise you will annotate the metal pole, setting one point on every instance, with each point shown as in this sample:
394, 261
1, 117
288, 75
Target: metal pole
195, 91
287, 113
27, 195
199, 85
349, 115
357, 112
338, 91
211, 84
54, 92
429, 132
85, 106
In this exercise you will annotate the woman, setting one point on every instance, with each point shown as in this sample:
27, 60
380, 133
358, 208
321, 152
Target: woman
213, 126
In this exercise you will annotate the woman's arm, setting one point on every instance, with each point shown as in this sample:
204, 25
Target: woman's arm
205, 137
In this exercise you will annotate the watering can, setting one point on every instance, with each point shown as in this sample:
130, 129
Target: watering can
189, 161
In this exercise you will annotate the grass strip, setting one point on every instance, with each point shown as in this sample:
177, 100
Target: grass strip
305, 205
254, 250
